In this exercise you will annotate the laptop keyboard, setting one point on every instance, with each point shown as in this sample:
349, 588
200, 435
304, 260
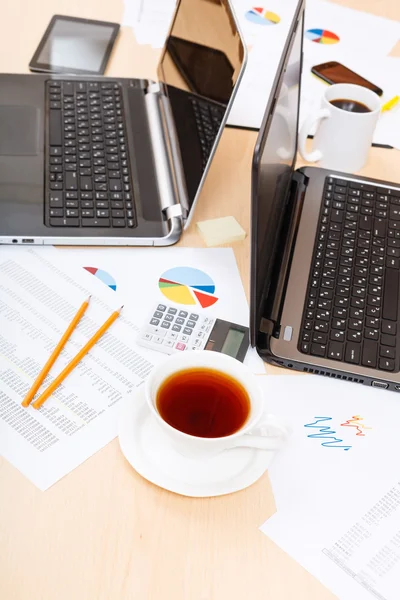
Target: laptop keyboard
208, 121
351, 310
88, 174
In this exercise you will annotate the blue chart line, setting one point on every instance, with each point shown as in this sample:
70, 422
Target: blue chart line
326, 433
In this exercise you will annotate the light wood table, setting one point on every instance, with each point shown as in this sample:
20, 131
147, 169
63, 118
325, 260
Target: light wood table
103, 532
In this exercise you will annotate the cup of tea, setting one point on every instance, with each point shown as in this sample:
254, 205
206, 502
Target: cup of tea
206, 402
346, 123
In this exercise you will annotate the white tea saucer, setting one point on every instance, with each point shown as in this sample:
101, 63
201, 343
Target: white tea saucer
148, 450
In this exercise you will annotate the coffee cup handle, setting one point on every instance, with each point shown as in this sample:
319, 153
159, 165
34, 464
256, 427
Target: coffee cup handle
314, 155
270, 434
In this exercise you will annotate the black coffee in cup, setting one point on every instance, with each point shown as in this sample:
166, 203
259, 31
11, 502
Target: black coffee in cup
350, 105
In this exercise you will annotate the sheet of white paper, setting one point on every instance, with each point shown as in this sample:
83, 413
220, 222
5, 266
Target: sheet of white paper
356, 558
150, 20
137, 272
39, 294
265, 42
340, 431
360, 35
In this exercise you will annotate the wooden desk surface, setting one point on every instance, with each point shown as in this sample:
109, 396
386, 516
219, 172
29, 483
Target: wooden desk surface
103, 532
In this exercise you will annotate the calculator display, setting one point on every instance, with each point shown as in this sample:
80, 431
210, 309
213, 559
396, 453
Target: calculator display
233, 342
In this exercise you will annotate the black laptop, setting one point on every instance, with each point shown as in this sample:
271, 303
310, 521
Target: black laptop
111, 161
325, 256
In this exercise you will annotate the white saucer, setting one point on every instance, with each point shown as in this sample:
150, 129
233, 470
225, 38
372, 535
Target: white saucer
149, 452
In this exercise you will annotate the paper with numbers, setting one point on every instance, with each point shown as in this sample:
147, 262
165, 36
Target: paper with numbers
39, 295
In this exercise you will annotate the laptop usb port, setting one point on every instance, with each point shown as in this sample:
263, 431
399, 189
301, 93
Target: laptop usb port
380, 384
28, 241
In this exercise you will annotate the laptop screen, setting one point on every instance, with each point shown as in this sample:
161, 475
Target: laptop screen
202, 60
273, 167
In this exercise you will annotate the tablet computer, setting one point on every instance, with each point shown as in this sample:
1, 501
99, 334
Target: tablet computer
73, 45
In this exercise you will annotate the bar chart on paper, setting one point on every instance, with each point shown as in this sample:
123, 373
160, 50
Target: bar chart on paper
186, 285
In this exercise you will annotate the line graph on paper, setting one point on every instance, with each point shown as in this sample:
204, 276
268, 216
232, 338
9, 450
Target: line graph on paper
331, 436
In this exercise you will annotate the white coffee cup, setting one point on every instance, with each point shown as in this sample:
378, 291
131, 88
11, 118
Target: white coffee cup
260, 430
343, 138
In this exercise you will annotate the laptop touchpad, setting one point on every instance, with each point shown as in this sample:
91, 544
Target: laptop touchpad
19, 130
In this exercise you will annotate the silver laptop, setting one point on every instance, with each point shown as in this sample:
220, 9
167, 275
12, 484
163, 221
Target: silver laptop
325, 270
109, 161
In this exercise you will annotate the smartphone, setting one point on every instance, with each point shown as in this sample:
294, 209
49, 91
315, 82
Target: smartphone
334, 72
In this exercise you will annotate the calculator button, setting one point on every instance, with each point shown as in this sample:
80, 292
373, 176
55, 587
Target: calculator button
190, 324
147, 337
182, 313
193, 316
154, 321
168, 318
176, 327
172, 311
165, 325
158, 331
179, 321
186, 330
169, 343
184, 338
200, 334
172, 335
161, 307
180, 346
158, 314
157, 339
198, 342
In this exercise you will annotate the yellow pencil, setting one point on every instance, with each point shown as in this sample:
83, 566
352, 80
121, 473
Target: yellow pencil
71, 365
55, 354
390, 104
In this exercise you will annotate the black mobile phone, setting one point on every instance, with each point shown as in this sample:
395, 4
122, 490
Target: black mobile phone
334, 72
75, 46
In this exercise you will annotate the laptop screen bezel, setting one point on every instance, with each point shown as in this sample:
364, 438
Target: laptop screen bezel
235, 23
256, 291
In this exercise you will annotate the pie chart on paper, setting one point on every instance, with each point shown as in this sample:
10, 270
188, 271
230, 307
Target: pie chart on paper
322, 36
259, 16
186, 285
103, 276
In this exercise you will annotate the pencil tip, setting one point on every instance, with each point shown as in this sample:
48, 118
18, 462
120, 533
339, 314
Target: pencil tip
89, 298
121, 308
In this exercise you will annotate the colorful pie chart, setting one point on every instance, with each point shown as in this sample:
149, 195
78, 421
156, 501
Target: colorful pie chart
103, 276
322, 36
186, 285
259, 16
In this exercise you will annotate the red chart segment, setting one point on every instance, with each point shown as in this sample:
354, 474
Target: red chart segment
204, 299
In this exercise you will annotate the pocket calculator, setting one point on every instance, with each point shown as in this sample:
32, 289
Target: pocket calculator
171, 330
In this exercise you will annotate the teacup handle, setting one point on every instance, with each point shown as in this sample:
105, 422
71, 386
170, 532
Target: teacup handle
316, 154
270, 434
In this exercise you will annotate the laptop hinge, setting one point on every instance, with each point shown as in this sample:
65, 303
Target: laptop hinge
173, 211
167, 159
270, 322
